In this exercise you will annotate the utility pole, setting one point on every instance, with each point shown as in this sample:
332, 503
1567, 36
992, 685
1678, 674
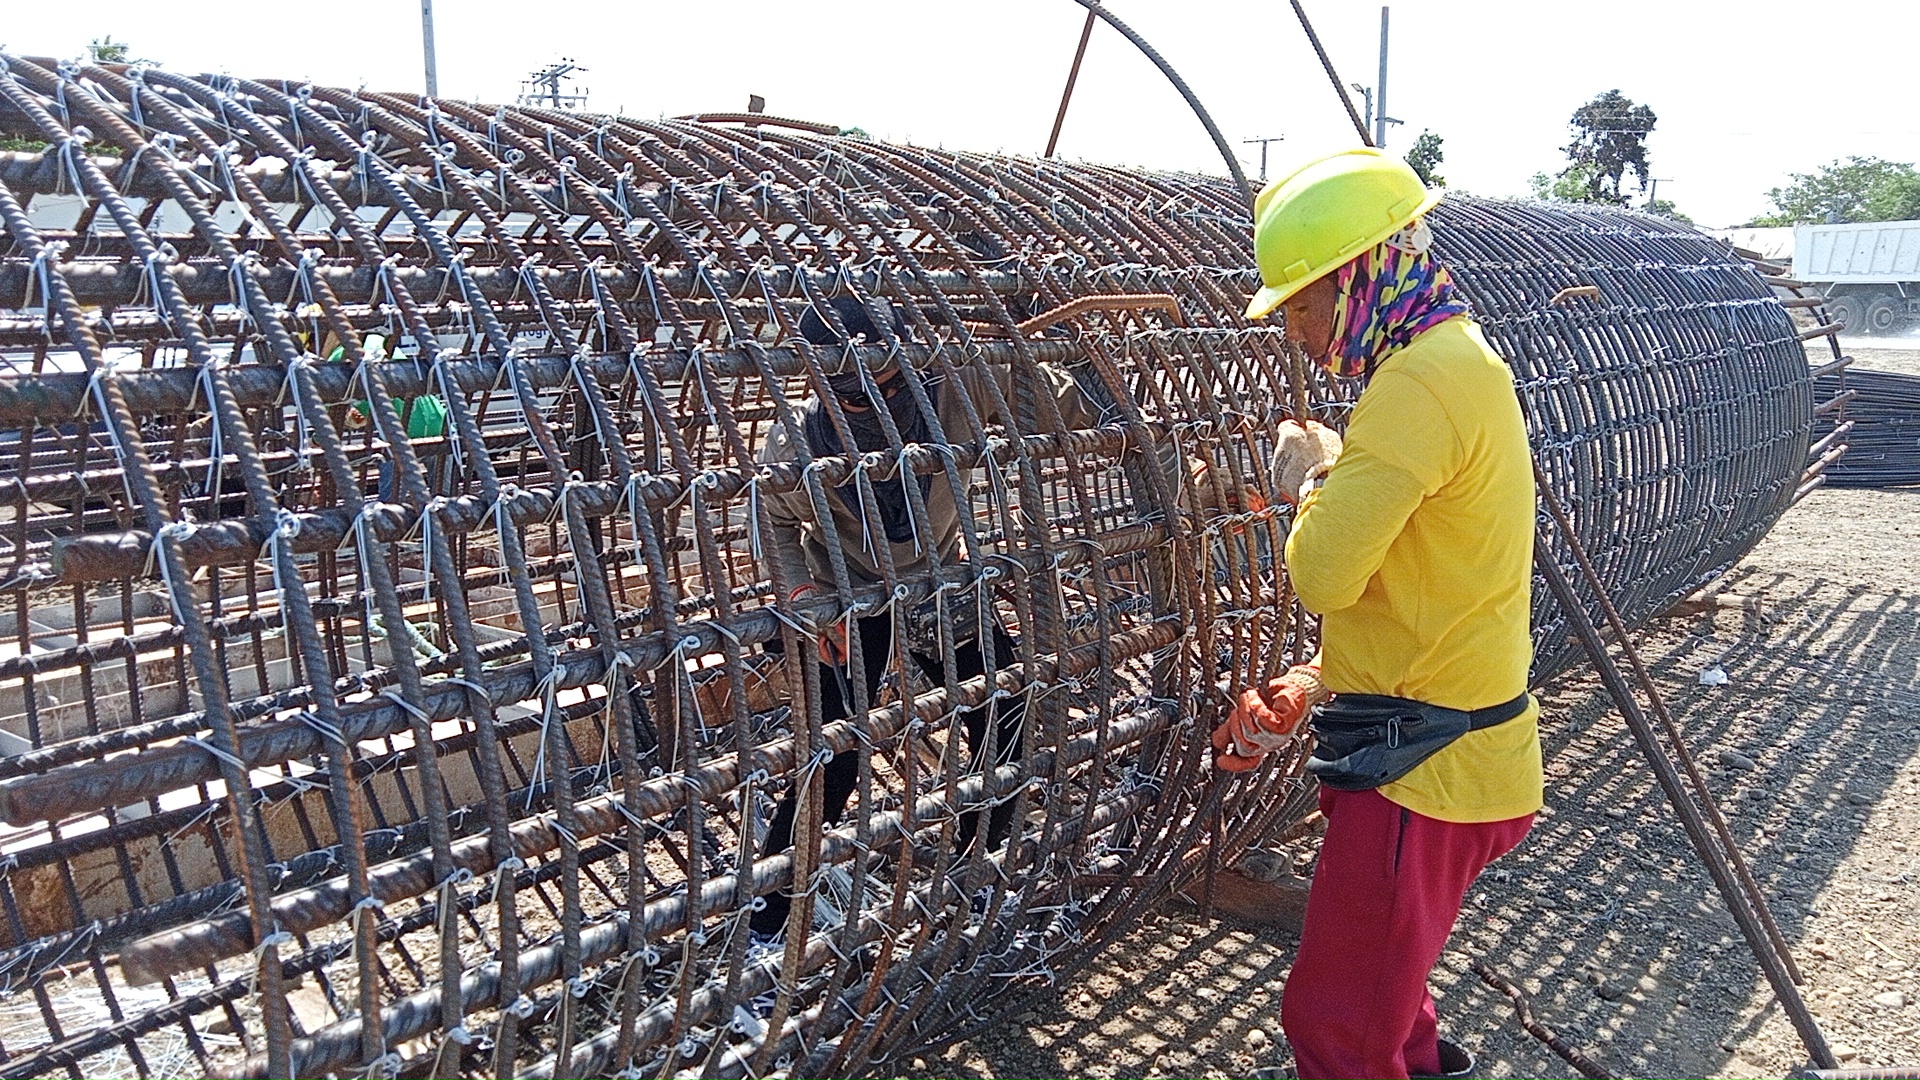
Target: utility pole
543, 87
1653, 189
1380, 89
426, 41
1373, 113
1263, 152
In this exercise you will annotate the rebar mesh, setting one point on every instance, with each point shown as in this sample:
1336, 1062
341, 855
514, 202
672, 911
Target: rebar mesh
500, 695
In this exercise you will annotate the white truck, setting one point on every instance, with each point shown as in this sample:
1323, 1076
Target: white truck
1870, 272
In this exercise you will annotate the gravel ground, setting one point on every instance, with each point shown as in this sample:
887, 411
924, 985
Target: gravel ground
1604, 915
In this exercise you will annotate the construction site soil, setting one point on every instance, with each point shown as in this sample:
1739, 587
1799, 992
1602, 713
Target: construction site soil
1604, 915
1901, 354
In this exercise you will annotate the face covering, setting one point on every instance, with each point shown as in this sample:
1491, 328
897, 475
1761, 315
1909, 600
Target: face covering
1386, 298
868, 436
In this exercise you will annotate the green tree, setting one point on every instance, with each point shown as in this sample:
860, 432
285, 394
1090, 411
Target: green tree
1609, 140
1573, 184
1426, 156
105, 50
1857, 189
1665, 208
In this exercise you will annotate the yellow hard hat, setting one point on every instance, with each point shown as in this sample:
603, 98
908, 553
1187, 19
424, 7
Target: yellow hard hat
1326, 213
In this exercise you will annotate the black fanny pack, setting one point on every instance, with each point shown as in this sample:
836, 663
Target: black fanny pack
1361, 741
926, 634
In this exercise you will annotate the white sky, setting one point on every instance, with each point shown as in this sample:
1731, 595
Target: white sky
1746, 92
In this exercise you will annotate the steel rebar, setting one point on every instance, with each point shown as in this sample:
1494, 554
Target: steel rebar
478, 731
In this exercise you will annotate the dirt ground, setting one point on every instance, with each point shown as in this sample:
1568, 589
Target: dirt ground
1604, 915
1901, 354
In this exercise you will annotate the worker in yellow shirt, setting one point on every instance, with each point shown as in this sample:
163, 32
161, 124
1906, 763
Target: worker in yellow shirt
1414, 543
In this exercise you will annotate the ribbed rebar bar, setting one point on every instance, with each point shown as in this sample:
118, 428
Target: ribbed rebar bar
335, 740
1882, 427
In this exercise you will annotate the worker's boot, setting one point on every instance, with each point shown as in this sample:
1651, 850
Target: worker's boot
1455, 1061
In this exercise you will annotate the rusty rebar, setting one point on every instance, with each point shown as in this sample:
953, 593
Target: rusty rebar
476, 727
1523, 1010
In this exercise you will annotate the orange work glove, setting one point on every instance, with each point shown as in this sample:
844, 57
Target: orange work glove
833, 645
831, 642
1303, 453
1263, 722
1206, 497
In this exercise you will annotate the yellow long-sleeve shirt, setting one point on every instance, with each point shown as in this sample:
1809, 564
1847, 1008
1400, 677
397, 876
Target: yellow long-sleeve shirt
1417, 552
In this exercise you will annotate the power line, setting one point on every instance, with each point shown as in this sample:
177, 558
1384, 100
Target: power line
542, 87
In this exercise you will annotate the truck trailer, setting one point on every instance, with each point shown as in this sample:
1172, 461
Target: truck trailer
1869, 272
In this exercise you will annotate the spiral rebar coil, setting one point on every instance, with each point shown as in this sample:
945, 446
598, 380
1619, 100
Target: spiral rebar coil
499, 697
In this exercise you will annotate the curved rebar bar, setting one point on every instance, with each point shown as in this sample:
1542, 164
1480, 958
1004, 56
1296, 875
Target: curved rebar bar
1152, 54
454, 746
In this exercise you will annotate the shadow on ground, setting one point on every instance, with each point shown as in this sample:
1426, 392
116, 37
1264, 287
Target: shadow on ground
1608, 917
1605, 915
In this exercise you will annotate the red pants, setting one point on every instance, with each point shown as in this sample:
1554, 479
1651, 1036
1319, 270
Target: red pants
1385, 894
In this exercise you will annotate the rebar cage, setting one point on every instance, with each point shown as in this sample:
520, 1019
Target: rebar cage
338, 741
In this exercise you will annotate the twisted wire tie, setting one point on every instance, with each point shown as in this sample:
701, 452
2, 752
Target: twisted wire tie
503, 874
42, 273
469, 684
301, 785
330, 732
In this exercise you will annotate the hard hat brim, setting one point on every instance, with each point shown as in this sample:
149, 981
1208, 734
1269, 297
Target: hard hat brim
1270, 297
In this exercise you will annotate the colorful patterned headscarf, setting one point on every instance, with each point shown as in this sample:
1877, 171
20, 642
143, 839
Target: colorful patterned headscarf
1388, 296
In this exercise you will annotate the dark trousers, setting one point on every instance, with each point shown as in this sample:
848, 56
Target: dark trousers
842, 774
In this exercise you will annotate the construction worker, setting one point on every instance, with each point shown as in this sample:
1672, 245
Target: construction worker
425, 417
915, 548
1414, 543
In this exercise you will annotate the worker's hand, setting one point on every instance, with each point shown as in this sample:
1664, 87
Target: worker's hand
1305, 453
1264, 721
1206, 493
830, 640
833, 644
